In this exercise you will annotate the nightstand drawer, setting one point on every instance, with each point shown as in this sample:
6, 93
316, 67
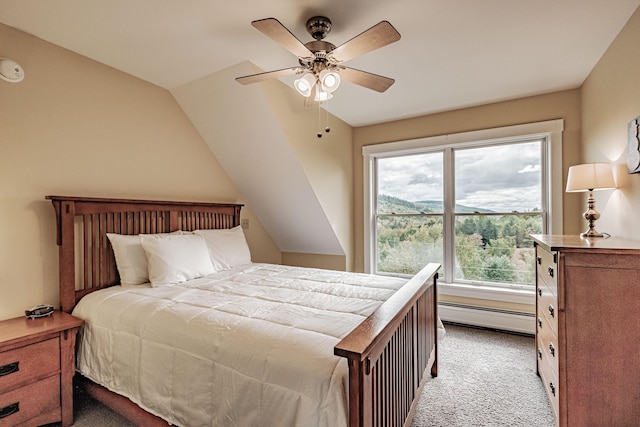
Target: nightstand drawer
29, 363
31, 401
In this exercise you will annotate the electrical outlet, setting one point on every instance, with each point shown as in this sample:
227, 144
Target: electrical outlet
244, 223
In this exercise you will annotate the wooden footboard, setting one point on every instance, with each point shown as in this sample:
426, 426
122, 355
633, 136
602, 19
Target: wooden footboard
390, 352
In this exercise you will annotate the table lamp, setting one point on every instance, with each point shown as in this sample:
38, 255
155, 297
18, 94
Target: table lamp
590, 177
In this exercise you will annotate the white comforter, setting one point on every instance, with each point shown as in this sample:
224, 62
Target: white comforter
249, 346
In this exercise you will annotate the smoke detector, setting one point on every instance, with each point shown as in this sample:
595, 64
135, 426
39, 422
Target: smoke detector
11, 71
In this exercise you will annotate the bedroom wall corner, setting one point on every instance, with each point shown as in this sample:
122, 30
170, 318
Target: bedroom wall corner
76, 127
327, 162
610, 100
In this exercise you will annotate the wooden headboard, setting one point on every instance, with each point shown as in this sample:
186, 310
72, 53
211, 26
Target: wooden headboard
86, 260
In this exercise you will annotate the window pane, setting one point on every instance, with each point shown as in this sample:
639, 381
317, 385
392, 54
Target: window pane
408, 243
496, 248
410, 184
499, 178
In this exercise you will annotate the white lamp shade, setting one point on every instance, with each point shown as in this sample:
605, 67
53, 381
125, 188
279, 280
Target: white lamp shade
321, 96
591, 176
329, 80
305, 84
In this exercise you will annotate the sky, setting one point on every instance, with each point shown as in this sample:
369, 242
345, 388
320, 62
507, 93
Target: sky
499, 178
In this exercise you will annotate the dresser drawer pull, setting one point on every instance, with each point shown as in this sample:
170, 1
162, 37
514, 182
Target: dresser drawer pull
539, 322
539, 354
9, 368
550, 271
539, 259
552, 388
9, 410
552, 349
551, 310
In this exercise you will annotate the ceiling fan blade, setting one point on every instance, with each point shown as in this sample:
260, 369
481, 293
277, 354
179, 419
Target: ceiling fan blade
256, 78
374, 38
365, 79
273, 29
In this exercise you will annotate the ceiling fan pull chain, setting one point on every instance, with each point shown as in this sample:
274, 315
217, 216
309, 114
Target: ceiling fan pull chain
327, 129
319, 134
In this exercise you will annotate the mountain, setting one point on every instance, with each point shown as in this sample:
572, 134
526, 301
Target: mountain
391, 204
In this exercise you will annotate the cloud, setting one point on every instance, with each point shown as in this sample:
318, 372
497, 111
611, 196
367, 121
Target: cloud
500, 177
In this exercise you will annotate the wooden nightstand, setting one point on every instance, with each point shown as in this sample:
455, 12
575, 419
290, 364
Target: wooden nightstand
37, 363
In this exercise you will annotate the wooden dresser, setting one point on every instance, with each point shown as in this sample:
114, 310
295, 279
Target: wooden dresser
588, 329
37, 363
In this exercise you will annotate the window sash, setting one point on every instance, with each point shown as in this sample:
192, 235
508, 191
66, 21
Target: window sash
551, 134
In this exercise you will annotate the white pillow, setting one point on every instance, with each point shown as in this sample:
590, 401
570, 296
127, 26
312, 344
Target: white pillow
227, 247
176, 258
131, 260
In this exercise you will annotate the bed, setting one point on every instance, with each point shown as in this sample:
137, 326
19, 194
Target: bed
367, 369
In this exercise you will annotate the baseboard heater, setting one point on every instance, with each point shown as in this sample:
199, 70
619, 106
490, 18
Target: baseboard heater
486, 317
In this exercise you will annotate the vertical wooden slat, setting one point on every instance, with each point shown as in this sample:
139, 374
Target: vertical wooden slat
87, 250
95, 253
65, 213
102, 239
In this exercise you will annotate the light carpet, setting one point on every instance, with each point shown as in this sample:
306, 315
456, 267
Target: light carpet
485, 378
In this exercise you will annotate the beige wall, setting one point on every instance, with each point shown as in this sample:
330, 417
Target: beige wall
561, 105
77, 127
610, 100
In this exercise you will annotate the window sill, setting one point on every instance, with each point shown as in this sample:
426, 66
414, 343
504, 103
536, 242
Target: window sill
516, 296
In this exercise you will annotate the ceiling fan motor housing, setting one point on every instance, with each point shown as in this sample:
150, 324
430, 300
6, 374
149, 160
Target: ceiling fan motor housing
319, 27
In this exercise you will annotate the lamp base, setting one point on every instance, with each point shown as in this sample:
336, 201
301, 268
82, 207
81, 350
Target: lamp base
593, 233
591, 215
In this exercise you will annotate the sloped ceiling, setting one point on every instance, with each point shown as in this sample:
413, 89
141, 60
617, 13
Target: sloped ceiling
244, 134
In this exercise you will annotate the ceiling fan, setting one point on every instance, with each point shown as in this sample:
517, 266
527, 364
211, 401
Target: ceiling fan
321, 62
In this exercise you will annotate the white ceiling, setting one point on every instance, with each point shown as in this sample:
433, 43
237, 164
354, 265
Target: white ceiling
453, 53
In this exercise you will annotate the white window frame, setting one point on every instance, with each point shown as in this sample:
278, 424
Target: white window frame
549, 131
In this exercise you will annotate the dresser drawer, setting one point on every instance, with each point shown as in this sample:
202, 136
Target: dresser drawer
547, 306
548, 370
547, 268
548, 344
30, 401
29, 363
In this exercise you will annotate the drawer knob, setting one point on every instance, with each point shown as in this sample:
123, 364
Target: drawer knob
539, 259
550, 271
9, 410
552, 311
552, 388
539, 322
552, 349
9, 368
539, 292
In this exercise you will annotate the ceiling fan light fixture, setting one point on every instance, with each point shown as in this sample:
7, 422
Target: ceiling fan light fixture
305, 84
322, 96
329, 80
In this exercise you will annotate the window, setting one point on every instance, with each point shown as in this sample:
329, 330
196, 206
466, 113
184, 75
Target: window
468, 205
